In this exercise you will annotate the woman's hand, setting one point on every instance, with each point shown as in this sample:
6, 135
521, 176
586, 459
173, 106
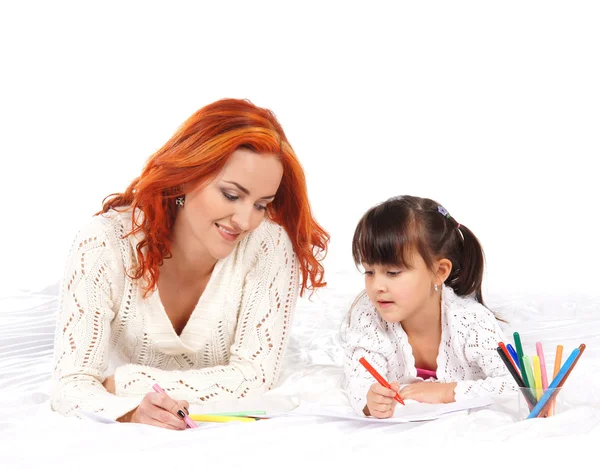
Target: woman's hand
159, 410
430, 392
380, 400
155, 409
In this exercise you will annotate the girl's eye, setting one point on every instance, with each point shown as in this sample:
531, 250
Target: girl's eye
368, 272
230, 197
394, 273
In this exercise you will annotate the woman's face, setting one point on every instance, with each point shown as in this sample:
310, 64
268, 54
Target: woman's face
218, 216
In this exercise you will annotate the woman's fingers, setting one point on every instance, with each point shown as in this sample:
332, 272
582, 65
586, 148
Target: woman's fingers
185, 405
158, 407
159, 423
169, 419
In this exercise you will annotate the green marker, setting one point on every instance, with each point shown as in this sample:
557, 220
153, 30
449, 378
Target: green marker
519, 348
529, 372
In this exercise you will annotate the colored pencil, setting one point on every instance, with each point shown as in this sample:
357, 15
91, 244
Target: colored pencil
379, 378
220, 418
513, 354
540, 352
519, 347
245, 413
558, 382
557, 365
189, 422
507, 353
537, 377
529, 397
528, 372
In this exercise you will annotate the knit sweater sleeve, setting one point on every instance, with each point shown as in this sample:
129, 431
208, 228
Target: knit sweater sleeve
481, 341
365, 337
89, 289
269, 296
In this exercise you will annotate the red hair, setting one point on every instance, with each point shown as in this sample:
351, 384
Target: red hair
194, 155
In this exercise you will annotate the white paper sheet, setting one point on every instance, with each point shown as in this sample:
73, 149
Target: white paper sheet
272, 405
411, 412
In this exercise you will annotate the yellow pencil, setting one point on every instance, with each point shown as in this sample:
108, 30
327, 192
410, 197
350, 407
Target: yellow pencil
537, 377
219, 418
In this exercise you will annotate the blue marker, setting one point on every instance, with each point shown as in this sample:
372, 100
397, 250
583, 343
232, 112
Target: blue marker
513, 354
554, 384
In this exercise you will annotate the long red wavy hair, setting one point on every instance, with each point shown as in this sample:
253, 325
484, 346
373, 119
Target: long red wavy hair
195, 154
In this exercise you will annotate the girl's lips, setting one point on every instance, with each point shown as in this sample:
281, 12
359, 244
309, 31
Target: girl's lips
385, 304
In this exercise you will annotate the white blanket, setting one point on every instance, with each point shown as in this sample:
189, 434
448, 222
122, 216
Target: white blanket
33, 436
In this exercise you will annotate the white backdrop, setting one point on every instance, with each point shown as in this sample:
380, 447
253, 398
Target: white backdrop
491, 109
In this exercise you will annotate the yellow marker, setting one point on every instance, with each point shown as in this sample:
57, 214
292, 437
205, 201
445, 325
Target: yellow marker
219, 418
537, 376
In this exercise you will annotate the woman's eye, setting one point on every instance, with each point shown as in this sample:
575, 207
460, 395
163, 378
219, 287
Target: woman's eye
260, 207
229, 196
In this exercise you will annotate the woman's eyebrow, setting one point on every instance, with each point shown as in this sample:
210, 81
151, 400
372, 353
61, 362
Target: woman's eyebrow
246, 191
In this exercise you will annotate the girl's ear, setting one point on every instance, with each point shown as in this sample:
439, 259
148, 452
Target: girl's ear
443, 267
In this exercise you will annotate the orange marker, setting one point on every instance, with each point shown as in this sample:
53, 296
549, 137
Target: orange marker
379, 378
557, 360
557, 365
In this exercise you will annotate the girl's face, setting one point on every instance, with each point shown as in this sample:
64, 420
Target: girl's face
399, 293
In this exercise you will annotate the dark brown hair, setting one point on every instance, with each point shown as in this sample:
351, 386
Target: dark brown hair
389, 233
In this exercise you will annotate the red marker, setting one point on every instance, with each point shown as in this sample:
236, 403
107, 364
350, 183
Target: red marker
379, 378
507, 353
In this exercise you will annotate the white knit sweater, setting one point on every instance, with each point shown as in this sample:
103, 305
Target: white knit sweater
232, 345
467, 353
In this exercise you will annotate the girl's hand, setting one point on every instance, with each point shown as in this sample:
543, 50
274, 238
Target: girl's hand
380, 400
427, 391
159, 410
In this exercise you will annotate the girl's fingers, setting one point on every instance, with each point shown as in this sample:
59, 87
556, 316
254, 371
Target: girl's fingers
382, 415
377, 388
381, 399
382, 407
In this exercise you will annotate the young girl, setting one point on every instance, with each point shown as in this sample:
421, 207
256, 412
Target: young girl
421, 319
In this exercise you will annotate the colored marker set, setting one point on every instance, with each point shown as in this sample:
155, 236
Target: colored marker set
530, 374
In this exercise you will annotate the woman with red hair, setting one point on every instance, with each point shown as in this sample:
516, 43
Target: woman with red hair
190, 277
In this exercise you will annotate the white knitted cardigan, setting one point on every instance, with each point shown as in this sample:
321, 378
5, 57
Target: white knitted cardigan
467, 352
232, 345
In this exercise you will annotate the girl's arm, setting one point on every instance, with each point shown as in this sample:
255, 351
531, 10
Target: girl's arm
365, 337
480, 351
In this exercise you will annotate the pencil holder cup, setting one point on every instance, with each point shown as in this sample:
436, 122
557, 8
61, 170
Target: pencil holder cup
541, 404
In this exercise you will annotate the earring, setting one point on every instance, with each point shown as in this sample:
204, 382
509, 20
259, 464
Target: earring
435, 287
179, 201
